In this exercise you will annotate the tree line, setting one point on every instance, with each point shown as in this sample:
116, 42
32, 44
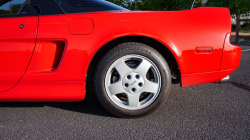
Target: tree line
235, 6
13, 9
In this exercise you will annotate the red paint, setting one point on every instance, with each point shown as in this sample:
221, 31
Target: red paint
203, 27
16, 48
47, 56
63, 91
81, 26
231, 55
203, 78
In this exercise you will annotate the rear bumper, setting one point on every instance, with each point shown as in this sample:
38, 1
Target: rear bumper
230, 61
231, 55
204, 78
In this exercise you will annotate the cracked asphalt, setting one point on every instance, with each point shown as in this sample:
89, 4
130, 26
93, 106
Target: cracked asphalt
211, 111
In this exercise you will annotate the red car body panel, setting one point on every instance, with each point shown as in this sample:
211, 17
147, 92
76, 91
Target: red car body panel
16, 48
46, 91
53, 76
231, 54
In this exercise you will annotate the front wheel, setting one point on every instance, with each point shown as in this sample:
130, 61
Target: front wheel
132, 80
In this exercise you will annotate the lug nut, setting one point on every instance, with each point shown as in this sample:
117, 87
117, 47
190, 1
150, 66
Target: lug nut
126, 85
140, 84
129, 77
133, 89
137, 76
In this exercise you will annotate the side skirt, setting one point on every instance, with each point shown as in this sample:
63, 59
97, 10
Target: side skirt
63, 91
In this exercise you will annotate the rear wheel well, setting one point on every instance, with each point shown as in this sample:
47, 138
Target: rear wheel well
169, 57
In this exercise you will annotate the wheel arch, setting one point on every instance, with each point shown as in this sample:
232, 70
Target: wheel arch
157, 45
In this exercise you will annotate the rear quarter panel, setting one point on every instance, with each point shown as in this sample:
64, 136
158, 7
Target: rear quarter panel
180, 31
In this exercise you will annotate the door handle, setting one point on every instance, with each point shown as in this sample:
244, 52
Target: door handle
21, 26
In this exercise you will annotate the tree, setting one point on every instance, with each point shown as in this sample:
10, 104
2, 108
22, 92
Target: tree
235, 6
4, 12
167, 5
15, 8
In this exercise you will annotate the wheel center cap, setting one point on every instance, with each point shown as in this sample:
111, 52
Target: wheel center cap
133, 82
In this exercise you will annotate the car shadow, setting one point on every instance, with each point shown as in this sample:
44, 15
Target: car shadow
89, 105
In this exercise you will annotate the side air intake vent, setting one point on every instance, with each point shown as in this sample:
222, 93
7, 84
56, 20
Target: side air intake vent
48, 56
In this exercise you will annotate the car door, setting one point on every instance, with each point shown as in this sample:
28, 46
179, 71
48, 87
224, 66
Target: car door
18, 29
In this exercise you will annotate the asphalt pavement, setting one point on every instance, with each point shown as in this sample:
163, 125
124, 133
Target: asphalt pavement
211, 111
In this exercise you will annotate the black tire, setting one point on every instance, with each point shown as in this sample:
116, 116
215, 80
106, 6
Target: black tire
123, 50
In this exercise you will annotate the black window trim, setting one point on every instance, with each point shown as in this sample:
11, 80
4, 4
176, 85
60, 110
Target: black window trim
54, 8
59, 7
87, 11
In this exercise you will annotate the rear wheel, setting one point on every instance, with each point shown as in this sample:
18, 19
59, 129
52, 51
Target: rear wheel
132, 80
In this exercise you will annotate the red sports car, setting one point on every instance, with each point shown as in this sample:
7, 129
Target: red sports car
56, 50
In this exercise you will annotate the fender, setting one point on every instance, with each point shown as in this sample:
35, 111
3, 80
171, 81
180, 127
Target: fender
172, 49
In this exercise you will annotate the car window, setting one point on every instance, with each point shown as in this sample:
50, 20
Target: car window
82, 6
10, 7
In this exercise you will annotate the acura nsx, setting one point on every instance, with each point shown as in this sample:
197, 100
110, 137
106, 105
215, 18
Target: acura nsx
58, 50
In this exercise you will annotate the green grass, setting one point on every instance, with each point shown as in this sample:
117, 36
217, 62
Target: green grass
241, 31
244, 31
245, 41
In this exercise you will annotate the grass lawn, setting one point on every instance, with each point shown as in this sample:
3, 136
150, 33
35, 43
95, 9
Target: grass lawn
245, 41
241, 31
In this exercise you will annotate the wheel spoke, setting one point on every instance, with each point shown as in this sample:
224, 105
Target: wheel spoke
122, 68
151, 87
116, 88
143, 67
133, 100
